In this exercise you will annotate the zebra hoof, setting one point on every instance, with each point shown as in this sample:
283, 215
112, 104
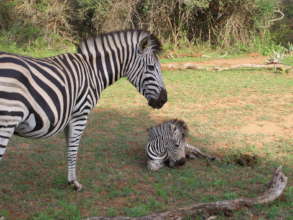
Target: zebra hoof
76, 185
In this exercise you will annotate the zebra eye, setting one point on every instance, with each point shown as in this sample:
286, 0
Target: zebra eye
150, 67
177, 145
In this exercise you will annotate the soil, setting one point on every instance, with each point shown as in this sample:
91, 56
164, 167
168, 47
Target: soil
252, 59
280, 123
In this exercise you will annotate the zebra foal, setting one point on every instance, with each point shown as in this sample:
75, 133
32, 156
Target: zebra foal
42, 97
167, 146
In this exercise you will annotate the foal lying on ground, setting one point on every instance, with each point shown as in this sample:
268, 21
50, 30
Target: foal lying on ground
166, 145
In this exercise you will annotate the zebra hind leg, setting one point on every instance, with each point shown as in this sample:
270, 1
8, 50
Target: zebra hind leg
154, 165
193, 152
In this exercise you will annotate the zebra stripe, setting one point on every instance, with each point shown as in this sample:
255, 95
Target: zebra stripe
42, 97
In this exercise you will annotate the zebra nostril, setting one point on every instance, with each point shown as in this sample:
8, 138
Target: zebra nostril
160, 101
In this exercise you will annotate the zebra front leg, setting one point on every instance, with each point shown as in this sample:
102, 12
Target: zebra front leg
71, 164
193, 152
154, 165
5, 134
2, 149
73, 135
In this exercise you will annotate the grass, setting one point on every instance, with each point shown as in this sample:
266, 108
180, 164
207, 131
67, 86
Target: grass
229, 113
288, 60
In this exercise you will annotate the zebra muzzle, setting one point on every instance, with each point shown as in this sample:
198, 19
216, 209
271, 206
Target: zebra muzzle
160, 101
177, 163
180, 162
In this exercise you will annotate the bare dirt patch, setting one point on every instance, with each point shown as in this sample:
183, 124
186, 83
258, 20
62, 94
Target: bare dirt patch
266, 128
255, 62
279, 122
228, 62
256, 119
268, 120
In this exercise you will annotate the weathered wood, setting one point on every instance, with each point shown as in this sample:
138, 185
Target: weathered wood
274, 190
191, 65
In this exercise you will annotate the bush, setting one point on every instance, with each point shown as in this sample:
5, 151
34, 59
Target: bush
28, 23
221, 23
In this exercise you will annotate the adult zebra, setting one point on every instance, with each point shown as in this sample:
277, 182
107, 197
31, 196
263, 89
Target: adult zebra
42, 97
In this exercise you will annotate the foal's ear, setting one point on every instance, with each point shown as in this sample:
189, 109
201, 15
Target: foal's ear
143, 45
173, 127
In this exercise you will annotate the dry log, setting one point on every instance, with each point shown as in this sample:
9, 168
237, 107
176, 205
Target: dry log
275, 189
190, 65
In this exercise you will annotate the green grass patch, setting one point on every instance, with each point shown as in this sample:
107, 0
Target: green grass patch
288, 60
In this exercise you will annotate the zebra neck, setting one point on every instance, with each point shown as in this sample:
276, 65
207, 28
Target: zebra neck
101, 71
111, 55
107, 69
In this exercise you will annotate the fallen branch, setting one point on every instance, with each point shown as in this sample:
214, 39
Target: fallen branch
275, 189
184, 66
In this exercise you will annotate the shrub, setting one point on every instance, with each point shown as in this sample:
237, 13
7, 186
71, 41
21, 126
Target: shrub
221, 23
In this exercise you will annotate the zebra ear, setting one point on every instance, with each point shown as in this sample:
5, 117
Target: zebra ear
173, 127
143, 44
149, 129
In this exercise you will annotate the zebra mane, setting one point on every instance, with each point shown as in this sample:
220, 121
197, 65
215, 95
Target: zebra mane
163, 128
154, 42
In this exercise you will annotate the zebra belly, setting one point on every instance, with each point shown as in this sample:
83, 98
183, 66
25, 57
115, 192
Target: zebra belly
31, 128
26, 127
